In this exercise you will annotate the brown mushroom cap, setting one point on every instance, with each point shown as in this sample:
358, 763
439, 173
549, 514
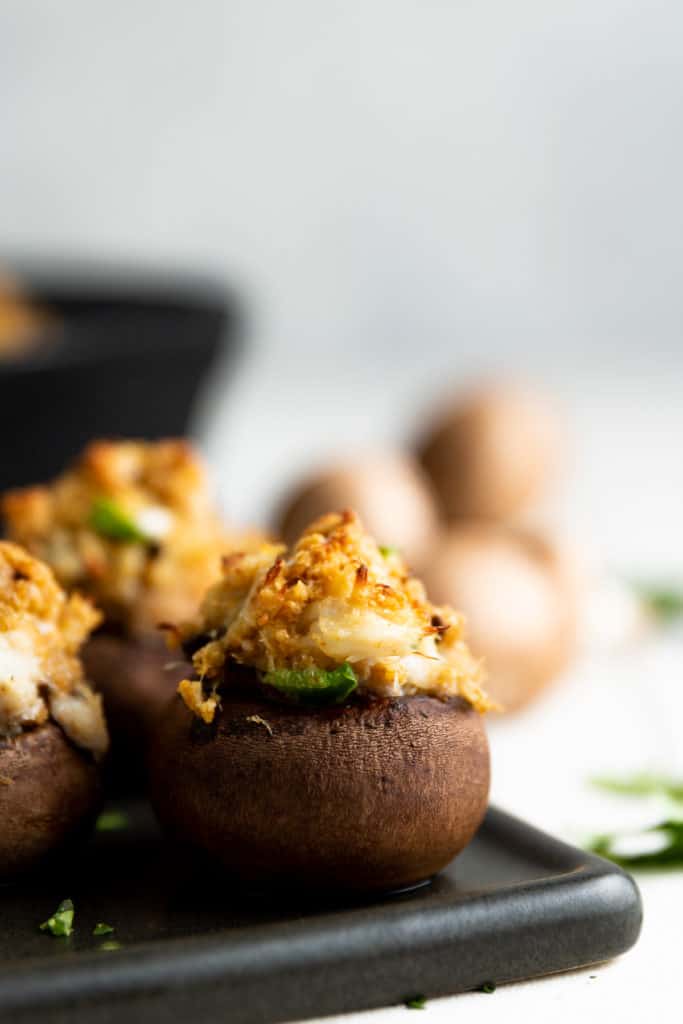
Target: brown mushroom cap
377, 794
493, 454
517, 594
50, 794
134, 676
390, 493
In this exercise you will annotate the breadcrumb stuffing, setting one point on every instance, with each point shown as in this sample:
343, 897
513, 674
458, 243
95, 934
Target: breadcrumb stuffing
172, 552
41, 631
334, 598
191, 692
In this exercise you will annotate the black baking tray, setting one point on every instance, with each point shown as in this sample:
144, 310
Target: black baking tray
125, 355
196, 945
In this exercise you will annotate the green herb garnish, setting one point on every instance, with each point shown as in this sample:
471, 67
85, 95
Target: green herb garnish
61, 923
109, 520
621, 847
112, 821
489, 987
313, 685
664, 602
416, 1003
641, 785
387, 550
109, 946
102, 929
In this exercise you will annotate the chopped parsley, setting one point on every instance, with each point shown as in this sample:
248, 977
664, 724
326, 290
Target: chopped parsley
489, 987
656, 846
61, 924
664, 602
109, 520
110, 946
102, 929
387, 550
641, 785
313, 685
416, 1003
660, 846
112, 821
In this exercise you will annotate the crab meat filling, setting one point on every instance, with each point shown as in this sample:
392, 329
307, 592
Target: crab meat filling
41, 676
334, 599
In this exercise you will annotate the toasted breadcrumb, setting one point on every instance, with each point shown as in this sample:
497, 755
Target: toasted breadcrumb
162, 489
204, 707
333, 598
41, 631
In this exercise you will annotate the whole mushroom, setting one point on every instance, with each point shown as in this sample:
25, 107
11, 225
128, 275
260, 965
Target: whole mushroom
518, 595
493, 454
390, 492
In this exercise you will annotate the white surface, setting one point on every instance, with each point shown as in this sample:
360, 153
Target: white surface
408, 193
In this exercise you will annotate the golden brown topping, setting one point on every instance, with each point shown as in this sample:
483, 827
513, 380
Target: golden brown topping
41, 631
132, 524
333, 600
21, 323
388, 489
204, 707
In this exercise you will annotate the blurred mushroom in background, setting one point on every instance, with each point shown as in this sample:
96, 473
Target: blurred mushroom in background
22, 324
389, 491
518, 593
493, 453
461, 518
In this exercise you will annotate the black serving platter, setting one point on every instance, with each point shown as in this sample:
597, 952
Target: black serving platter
123, 356
194, 944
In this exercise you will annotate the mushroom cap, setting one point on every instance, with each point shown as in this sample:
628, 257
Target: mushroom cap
389, 491
372, 795
132, 673
493, 454
518, 597
50, 794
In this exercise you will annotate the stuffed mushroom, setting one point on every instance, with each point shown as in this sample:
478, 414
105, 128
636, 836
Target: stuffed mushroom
52, 729
133, 525
332, 733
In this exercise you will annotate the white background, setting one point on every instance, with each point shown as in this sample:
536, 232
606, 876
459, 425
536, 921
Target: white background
408, 194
